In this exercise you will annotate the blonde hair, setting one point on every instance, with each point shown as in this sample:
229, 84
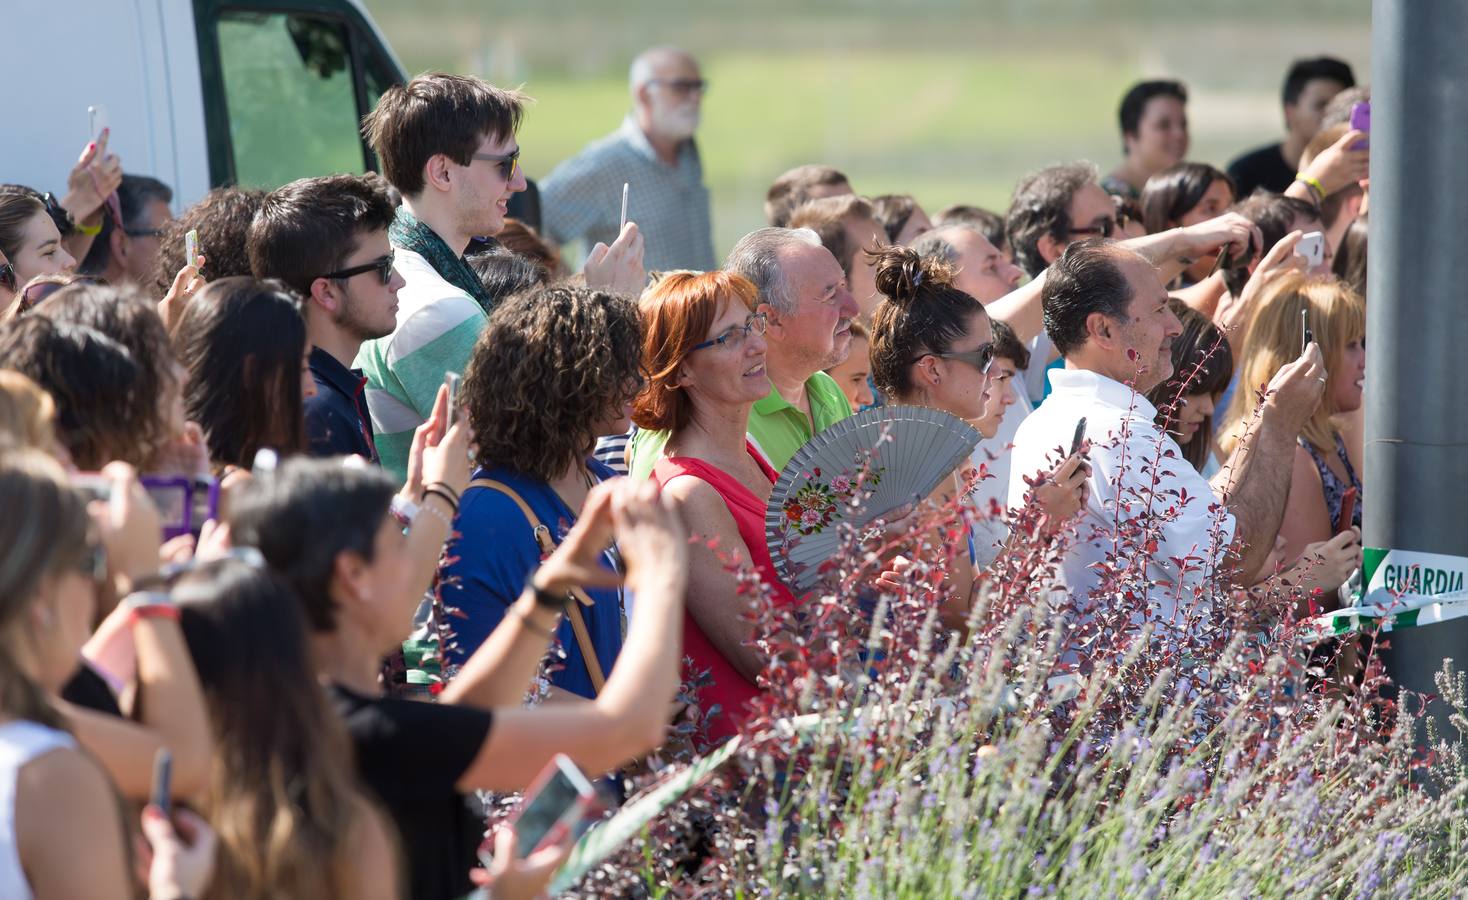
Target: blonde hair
1337, 317
27, 413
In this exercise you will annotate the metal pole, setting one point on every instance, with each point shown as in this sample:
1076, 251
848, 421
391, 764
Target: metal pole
1417, 311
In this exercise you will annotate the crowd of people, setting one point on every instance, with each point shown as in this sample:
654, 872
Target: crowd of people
378, 409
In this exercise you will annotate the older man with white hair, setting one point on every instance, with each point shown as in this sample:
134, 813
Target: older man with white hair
655, 154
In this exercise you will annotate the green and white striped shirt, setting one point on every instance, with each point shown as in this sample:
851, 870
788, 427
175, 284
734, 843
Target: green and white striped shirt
437, 327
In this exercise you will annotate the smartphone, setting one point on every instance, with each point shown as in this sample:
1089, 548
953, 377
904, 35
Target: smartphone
191, 247
1080, 436
162, 796
92, 485
555, 804
1226, 260
1348, 510
1361, 121
1312, 247
97, 120
624, 208
451, 381
184, 502
1306, 335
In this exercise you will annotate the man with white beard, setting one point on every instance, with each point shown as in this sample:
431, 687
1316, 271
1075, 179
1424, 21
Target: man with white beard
655, 154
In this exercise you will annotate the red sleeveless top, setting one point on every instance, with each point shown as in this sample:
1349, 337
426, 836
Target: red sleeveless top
729, 689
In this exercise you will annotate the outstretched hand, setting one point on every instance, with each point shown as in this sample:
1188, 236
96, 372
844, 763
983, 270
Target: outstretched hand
618, 268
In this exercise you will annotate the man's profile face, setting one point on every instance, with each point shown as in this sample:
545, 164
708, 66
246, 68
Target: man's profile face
1302, 118
863, 233
983, 272
1149, 329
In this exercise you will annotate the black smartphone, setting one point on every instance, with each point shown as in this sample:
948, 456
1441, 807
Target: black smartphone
1080, 436
452, 379
163, 781
1306, 335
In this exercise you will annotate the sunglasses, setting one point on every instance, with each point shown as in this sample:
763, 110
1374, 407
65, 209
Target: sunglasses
736, 335
508, 163
980, 359
7, 276
382, 265
40, 290
1104, 228
684, 86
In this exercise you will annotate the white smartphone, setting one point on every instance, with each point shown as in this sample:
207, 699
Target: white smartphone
191, 247
556, 803
97, 120
452, 379
624, 208
1312, 247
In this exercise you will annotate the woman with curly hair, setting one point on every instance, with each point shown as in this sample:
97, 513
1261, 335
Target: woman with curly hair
554, 369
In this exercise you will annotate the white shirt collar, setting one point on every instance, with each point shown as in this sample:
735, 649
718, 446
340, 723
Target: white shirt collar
1084, 384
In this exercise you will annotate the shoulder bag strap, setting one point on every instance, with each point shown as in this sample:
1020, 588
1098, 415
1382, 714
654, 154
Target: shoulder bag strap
573, 609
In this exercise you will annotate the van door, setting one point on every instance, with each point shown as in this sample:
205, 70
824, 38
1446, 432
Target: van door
285, 85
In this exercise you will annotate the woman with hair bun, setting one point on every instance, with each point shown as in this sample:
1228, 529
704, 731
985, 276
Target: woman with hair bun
932, 345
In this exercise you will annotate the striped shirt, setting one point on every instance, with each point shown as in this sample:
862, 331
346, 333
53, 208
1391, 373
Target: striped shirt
437, 327
582, 200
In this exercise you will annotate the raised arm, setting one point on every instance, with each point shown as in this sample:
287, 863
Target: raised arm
1255, 482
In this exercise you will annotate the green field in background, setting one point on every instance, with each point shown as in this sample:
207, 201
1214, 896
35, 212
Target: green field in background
945, 101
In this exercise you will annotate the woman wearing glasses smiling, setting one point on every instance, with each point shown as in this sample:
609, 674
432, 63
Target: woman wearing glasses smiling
933, 345
704, 351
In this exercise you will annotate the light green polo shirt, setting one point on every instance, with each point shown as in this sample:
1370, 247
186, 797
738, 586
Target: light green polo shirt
776, 427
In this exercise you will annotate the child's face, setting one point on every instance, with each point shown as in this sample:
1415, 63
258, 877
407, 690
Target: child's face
854, 375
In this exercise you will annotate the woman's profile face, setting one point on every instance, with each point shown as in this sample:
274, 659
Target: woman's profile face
40, 251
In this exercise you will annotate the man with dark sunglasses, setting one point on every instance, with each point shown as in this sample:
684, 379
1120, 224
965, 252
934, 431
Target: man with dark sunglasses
326, 238
655, 154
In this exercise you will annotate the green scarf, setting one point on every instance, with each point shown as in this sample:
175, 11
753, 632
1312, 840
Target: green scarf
410, 234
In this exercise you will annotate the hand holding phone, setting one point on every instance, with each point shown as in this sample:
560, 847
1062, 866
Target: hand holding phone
1348, 510
556, 803
1312, 248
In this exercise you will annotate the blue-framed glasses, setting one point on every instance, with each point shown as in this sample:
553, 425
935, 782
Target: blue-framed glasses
755, 324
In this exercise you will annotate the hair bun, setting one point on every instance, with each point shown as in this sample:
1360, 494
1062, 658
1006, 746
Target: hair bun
903, 275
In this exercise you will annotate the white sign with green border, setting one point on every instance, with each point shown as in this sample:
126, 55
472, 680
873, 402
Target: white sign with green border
1404, 589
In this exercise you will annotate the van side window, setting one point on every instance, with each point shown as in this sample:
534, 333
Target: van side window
290, 92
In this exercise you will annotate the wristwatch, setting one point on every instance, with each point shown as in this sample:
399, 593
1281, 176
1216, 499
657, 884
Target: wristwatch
543, 597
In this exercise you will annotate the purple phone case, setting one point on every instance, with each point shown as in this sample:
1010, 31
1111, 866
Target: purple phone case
1361, 121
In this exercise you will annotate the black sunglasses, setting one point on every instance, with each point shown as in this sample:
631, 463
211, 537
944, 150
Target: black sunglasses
507, 164
7, 276
684, 86
383, 265
1105, 228
980, 359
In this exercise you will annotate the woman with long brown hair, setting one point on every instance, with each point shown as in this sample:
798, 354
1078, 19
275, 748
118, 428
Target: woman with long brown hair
282, 796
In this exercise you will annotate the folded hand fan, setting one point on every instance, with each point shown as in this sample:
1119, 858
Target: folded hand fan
851, 473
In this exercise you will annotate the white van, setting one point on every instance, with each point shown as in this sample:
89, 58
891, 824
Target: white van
197, 93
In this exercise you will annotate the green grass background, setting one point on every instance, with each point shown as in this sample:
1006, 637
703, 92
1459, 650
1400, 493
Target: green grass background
949, 101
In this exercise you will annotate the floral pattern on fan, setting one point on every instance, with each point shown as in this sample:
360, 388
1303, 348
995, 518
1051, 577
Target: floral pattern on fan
812, 507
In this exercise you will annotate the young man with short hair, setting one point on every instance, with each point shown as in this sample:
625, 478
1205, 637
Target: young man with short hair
800, 185
447, 143
1308, 89
326, 238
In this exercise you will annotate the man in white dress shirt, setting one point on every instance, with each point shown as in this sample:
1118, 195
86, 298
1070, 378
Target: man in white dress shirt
1106, 310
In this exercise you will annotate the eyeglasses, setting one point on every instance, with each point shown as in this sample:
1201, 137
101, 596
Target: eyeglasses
143, 232
1104, 228
684, 86
508, 164
980, 359
735, 336
383, 265
40, 290
7, 276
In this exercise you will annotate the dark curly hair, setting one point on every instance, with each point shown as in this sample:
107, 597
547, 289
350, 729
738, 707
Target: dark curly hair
126, 316
223, 218
921, 312
94, 382
551, 364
